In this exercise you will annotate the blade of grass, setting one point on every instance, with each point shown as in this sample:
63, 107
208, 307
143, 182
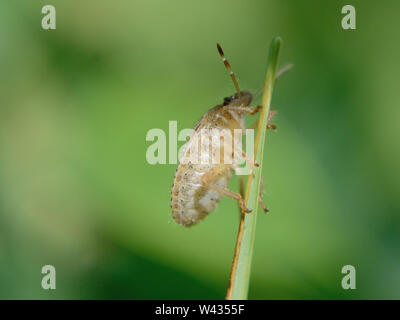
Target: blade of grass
240, 272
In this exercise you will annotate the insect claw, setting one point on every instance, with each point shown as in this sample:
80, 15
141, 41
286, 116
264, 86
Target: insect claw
246, 210
264, 207
243, 207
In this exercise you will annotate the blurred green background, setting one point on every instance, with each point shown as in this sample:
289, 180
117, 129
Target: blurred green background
76, 191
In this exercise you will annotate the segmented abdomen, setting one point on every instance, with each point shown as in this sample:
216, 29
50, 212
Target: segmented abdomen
191, 201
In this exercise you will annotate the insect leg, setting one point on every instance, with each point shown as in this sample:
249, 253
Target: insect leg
207, 181
245, 157
260, 199
255, 164
271, 114
248, 110
272, 126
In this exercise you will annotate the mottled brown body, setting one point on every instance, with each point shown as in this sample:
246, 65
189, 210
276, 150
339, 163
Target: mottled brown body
194, 193
199, 186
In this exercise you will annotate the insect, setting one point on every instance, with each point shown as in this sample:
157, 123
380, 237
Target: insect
198, 187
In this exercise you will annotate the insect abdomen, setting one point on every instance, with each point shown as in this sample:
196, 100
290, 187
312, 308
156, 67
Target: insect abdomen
191, 202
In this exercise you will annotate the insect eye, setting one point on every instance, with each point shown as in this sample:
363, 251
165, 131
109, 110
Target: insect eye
227, 100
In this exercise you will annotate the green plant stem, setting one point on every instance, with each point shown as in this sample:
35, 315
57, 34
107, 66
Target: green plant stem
241, 265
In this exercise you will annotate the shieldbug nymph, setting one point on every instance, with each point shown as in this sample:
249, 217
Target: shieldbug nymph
198, 187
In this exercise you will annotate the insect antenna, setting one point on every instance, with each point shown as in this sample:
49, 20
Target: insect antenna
228, 67
280, 72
